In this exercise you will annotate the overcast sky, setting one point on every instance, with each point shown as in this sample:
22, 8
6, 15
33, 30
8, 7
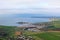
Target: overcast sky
30, 6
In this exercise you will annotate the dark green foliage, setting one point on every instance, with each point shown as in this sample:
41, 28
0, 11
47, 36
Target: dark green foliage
6, 32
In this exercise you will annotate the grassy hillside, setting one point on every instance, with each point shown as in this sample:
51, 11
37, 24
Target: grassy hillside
8, 29
44, 35
56, 24
48, 36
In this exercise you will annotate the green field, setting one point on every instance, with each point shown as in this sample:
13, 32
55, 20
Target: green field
45, 35
56, 24
48, 36
9, 30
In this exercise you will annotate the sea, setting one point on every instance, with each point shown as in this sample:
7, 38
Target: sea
13, 19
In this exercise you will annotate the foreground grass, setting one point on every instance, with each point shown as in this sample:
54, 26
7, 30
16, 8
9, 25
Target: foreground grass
9, 30
45, 35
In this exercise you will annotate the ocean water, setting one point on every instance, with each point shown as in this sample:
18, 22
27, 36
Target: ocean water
11, 20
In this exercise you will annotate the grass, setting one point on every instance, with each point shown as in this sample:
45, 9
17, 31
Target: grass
35, 35
7, 29
45, 35
56, 24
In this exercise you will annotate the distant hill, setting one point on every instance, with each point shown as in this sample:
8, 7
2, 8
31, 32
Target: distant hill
45, 17
26, 15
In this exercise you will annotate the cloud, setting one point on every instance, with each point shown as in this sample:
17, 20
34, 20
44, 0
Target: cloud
18, 4
29, 6
13, 11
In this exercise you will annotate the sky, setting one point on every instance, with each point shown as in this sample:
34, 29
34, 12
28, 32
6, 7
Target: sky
51, 7
12, 10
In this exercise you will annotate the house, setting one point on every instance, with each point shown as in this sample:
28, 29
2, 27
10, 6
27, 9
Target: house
35, 26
